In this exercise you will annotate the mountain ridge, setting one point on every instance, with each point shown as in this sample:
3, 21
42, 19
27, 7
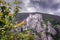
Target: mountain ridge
23, 16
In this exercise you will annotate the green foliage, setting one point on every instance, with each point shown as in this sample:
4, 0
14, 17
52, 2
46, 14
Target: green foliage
6, 23
54, 24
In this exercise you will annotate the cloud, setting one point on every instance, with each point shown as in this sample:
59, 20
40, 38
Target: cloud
44, 6
47, 6
31, 9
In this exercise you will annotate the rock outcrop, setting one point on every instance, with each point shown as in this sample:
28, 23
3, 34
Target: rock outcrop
35, 22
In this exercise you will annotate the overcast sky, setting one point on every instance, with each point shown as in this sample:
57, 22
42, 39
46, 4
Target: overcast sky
44, 6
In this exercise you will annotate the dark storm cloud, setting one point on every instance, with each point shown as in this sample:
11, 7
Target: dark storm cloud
47, 4
55, 6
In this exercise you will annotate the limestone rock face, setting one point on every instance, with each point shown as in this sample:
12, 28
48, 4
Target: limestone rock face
50, 37
34, 22
51, 29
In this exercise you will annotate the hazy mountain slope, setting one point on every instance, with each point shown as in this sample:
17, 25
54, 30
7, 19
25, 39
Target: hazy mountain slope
21, 16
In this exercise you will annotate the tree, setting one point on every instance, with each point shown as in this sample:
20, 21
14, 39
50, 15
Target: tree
6, 21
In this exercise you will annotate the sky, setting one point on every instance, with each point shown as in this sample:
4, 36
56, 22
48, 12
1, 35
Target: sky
43, 6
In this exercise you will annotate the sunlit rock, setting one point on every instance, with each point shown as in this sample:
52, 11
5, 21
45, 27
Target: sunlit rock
43, 35
49, 37
34, 22
51, 29
58, 27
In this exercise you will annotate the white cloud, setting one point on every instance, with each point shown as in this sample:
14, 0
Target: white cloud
31, 9
56, 1
50, 12
57, 12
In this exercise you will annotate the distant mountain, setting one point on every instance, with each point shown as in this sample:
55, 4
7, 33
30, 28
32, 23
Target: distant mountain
21, 16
